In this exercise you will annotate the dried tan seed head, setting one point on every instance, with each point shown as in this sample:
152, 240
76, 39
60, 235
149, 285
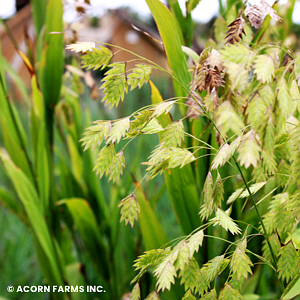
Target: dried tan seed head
269, 10
255, 15
235, 31
194, 109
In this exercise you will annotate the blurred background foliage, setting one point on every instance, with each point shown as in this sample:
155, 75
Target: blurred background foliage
60, 223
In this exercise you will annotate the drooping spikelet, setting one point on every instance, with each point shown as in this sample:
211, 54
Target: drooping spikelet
208, 76
255, 15
194, 106
269, 10
208, 72
235, 31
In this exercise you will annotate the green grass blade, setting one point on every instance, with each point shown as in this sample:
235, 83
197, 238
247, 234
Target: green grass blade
39, 13
184, 197
53, 61
39, 143
75, 278
9, 201
15, 78
32, 205
86, 223
153, 233
292, 290
168, 29
42, 168
13, 133
180, 183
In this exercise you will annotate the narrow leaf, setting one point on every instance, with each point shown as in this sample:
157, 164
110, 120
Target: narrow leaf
32, 205
171, 37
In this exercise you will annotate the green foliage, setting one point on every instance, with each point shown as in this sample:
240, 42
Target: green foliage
236, 137
247, 116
